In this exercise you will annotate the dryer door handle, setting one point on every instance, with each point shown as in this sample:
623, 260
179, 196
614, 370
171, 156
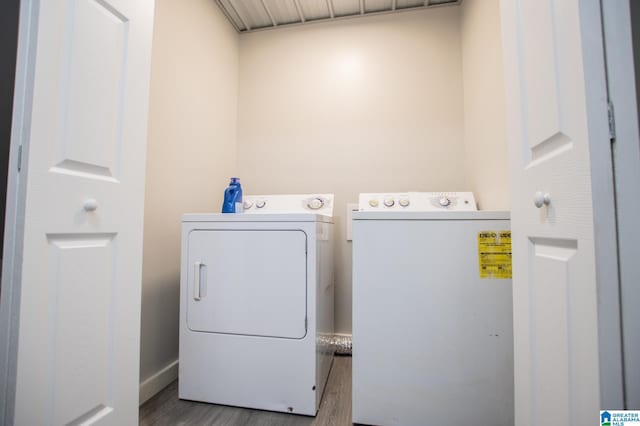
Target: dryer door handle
199, 280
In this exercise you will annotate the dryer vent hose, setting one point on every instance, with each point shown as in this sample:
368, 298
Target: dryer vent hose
341, 343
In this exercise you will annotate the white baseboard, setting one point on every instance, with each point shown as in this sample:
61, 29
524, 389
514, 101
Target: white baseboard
158, 381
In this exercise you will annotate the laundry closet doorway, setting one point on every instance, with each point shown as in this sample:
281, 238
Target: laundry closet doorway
556, 250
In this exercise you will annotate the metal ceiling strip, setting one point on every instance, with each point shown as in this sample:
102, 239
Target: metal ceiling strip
410, 4
283, 11
242, 21
346, 8
315, 10
330, 6
371, 6
228, 15
266, 9
299, 9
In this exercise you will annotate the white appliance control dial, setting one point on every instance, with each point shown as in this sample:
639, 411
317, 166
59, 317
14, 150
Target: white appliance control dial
444, 201
260, 204
404, 202
247, 205
315, 204
389, 202
373, 202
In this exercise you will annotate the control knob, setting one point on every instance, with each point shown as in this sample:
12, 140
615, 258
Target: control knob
315, 204
260, 204
444, 201
373, 202
389, 202
247, 205
404, 202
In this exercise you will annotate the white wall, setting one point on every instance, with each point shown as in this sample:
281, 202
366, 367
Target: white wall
360, 105
485, 136
191, 154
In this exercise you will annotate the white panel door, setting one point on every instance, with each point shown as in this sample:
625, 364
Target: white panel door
78, 345
248, 282
550, 50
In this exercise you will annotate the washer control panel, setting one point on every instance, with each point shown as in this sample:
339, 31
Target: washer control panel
417, 201
289, 203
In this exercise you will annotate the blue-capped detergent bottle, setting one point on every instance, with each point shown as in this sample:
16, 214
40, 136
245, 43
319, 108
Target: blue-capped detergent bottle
233, 197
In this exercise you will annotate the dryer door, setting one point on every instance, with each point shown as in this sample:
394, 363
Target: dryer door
248, 282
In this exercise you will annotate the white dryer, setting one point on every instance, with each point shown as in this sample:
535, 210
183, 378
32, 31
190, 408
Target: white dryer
256, 298
432, 323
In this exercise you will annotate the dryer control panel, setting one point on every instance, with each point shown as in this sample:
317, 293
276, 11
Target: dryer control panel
289, 203
417, 201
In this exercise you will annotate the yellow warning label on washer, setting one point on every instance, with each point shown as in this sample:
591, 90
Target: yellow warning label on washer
494, 254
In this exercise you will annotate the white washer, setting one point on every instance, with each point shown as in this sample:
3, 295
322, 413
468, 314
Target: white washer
256, 300
432, 341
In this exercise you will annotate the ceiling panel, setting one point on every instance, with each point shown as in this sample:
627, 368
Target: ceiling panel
377, 5
346, 7
251, 15
283, 11
232, 15
315, 9
403, 4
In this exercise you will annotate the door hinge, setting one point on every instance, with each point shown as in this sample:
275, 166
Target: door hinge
19, 158
612, 121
